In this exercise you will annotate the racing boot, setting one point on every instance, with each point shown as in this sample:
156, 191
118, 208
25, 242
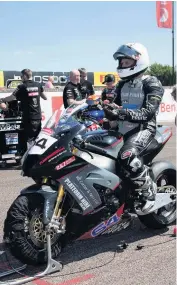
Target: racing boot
147, 188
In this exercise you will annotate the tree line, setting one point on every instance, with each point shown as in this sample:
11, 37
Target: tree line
163, 73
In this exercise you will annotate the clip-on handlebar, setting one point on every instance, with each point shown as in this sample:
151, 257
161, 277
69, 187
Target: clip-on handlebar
86, 147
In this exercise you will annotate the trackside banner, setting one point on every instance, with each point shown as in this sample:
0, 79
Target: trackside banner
12, 77
167, 110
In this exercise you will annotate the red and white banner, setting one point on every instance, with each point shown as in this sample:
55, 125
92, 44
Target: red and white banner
164, 14
167, 110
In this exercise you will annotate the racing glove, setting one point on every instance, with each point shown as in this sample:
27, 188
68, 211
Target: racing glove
113, 112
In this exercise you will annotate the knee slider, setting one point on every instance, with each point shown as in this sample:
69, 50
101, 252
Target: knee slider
136, 164
130, 160
128, 154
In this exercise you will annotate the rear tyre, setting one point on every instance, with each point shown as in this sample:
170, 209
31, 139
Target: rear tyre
24, 232
165, 215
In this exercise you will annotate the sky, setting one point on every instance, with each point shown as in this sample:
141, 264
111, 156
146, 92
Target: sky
61, 36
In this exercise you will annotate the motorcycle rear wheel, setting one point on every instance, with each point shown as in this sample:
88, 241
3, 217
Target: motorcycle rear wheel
24, 232
165, 215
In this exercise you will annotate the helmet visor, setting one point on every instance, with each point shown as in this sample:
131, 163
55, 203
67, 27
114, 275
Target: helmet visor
126, 51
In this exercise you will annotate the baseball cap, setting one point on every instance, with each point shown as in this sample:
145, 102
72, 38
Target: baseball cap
109, 78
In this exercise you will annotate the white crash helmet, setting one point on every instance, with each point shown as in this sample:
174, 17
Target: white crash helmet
134, 51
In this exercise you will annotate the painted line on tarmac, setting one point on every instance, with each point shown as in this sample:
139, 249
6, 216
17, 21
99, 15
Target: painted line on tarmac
169, 147
67, 282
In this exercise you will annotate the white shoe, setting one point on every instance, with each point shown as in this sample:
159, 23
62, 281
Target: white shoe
150, 197
148, 205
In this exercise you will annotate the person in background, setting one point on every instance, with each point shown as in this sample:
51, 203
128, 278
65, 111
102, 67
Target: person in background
108, 93
72, 93
28, 93
49, 84
86, 86
173, 93
3, 106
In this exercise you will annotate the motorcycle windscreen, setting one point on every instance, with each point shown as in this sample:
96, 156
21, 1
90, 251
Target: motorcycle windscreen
57, 122
55, 129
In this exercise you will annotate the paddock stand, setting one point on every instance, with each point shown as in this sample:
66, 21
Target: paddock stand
52, 266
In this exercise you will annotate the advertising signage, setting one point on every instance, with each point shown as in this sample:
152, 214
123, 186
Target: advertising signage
60, 78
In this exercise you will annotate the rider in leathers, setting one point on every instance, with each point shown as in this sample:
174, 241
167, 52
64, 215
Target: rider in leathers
137, 102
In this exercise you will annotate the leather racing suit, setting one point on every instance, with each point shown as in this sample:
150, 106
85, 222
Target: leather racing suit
140, 99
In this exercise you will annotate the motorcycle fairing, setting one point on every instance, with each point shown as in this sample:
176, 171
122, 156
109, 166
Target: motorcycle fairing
104, 226
80, 185
38, 147
102, 161
163, 134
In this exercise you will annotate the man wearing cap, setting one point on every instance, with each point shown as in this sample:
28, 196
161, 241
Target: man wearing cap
86, 86
108, 93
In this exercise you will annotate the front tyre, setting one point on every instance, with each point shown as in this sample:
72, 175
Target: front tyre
24, 231
167, 214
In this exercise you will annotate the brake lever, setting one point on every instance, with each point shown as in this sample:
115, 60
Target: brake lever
82, 149
86, 151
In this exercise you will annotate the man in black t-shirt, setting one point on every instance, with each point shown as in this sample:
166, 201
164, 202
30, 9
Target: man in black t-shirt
87, 88
28, 93
72, 91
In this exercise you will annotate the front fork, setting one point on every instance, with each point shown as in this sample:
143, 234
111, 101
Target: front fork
57, 223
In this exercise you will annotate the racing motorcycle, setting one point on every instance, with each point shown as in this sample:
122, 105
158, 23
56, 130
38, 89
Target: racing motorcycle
79, 191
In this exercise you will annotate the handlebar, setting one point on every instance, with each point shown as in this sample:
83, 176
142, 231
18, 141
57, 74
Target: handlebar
94, 148
86, 147
80, 145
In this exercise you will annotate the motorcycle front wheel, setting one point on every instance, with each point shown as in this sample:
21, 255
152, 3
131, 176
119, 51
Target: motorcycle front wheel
24, 231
